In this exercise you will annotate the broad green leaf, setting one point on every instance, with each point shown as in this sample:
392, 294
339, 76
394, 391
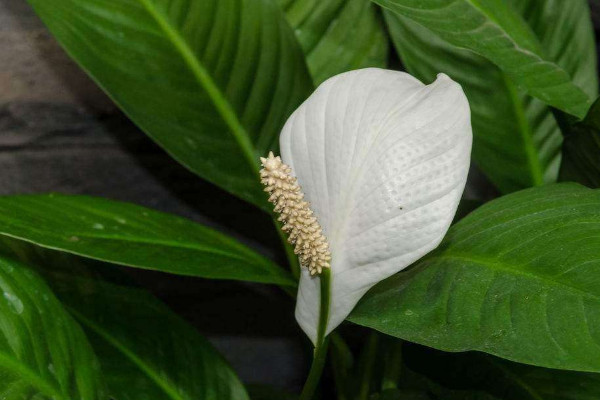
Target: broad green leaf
517, 141
337, 35
146, 351
135, 236
517, 278
43, 352
581, 150
211, 81
497, 377
494, 30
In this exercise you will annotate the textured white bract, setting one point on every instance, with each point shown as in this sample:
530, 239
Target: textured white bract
382, 160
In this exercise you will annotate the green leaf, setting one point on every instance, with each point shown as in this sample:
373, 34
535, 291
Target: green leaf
337, 35
504, 379
211, 81
494, 30
517, 278
43, 352
146, 351
517, 141
135, 236
581, 150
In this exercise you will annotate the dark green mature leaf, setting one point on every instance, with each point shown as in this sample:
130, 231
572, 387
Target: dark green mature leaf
517, 278
581, 150
211, 81
517, 141
503, 379
146, 351
135, 236
43, 352
494, 30
337, 35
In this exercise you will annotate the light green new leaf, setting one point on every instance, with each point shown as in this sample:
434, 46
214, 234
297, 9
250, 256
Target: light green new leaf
494, 30
517, 278
146, 351
517, 141
43, 352
135, 236
337, 35
211, 81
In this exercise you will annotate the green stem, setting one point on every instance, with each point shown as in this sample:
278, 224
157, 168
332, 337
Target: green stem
341, 363
320, 353
368, 362
392, 367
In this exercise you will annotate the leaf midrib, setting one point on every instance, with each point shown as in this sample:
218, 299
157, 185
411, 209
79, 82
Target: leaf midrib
281, 279
205, 81
531, 153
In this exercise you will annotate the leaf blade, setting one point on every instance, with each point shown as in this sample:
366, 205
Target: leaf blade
494, 30
146, 350
178, 69
43, 352
337, 36
134, 236
514, 279
517, 141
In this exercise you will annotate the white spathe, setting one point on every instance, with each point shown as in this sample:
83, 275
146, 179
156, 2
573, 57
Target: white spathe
383, 160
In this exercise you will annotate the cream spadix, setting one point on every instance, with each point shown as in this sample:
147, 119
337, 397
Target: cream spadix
382, 160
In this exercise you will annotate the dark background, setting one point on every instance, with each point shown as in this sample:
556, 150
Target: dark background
60, 133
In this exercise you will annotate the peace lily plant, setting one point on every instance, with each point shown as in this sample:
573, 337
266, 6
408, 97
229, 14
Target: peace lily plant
373, 166
489, 295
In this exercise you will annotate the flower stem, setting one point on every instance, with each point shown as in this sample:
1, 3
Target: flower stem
392, 365
320, 353
367, 364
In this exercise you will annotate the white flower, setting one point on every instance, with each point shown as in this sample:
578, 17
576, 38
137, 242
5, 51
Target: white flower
382, 160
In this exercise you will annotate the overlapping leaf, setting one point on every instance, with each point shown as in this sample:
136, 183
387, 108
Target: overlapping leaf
494, 30
146, 351
516, 278
517, 141
337, 35
131, 235
211, 81
43, 352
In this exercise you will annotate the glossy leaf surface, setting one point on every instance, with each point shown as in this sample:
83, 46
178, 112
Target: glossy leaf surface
211, 81
337, 35
516, 139
146, 351
516, 278
135, 236
43, 351
494, 30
